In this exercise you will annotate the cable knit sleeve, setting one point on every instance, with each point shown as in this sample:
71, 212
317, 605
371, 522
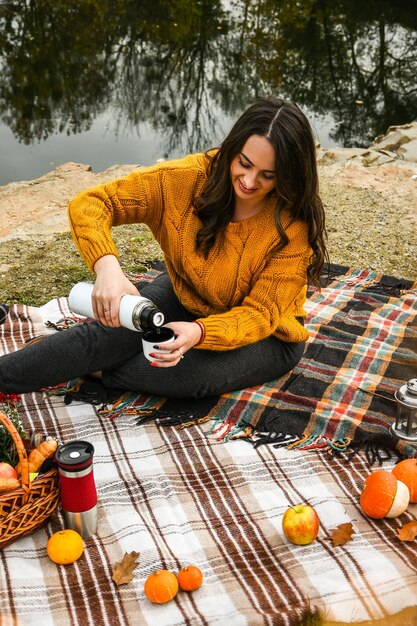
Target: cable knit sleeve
94, 212
139, 197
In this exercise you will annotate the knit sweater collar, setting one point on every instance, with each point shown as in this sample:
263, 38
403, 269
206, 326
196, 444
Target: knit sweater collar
260, 219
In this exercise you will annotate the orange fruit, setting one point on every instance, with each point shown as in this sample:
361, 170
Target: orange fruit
161, 586
406, 471
378, 494
65, 546
190, 578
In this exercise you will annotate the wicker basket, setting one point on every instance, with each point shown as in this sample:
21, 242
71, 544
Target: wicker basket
25, 509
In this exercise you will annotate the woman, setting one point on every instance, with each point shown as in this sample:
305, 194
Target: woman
242, 232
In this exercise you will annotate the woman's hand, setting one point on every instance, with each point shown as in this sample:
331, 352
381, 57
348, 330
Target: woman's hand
111, 284
187, 335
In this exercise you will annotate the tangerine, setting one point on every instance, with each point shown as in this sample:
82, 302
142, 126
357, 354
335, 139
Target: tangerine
406, 471
161, 586
65, 546
190, 578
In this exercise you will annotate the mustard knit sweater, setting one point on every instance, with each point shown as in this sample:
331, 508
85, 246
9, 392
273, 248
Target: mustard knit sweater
240, 293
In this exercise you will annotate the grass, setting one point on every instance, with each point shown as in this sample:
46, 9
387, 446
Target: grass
35, 270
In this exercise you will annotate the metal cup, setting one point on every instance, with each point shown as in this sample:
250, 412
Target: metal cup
78, 489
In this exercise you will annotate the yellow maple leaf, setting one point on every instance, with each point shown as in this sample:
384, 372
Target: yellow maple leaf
122, 571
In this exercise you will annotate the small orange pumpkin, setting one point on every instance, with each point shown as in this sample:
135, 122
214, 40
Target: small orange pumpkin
383, 495
406, 471
161, 586
190, 578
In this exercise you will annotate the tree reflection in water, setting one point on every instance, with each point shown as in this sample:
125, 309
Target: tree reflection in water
177, 64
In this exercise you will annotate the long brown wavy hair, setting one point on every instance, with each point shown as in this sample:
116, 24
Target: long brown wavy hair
296, 188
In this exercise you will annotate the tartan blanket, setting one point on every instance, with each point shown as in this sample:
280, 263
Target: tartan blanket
362, 348
192, 495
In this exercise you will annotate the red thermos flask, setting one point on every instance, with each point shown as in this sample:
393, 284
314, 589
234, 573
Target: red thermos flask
78, 489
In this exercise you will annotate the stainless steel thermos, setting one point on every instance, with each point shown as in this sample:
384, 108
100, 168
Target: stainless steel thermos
135, 312
78, 489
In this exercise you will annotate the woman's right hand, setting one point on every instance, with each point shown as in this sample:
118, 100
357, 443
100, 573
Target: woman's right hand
111, 284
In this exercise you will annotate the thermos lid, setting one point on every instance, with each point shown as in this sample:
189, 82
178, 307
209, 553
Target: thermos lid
408, 393
74, 455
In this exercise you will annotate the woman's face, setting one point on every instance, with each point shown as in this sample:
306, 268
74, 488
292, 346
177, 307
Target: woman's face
252, 171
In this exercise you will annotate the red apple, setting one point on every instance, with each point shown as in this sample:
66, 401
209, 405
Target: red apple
301, 524
7, 471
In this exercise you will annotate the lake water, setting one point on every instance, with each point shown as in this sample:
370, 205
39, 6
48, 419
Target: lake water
131, 81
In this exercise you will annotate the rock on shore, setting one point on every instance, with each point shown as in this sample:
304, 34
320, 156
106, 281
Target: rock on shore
370, 196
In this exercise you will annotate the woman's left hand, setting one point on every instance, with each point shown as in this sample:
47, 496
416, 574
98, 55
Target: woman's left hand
187, 334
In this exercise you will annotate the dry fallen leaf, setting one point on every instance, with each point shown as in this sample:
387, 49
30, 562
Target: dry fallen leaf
342, 534
408, 532
122, 572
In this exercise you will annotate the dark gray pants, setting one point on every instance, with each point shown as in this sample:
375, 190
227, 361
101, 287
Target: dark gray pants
117, 352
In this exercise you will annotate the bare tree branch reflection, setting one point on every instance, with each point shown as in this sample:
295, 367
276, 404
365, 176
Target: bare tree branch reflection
178, 67
169, 85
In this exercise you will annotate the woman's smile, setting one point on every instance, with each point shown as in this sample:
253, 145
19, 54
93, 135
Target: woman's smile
245, 189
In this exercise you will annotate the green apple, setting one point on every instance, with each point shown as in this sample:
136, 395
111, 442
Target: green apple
301, 524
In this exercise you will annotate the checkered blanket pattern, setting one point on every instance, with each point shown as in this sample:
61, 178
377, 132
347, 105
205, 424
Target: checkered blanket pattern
362, 339
183, 496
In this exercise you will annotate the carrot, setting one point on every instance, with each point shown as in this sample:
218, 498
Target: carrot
45, 450
37, 456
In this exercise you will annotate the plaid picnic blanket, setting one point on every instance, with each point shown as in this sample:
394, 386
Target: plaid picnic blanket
362, 348
180, 496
